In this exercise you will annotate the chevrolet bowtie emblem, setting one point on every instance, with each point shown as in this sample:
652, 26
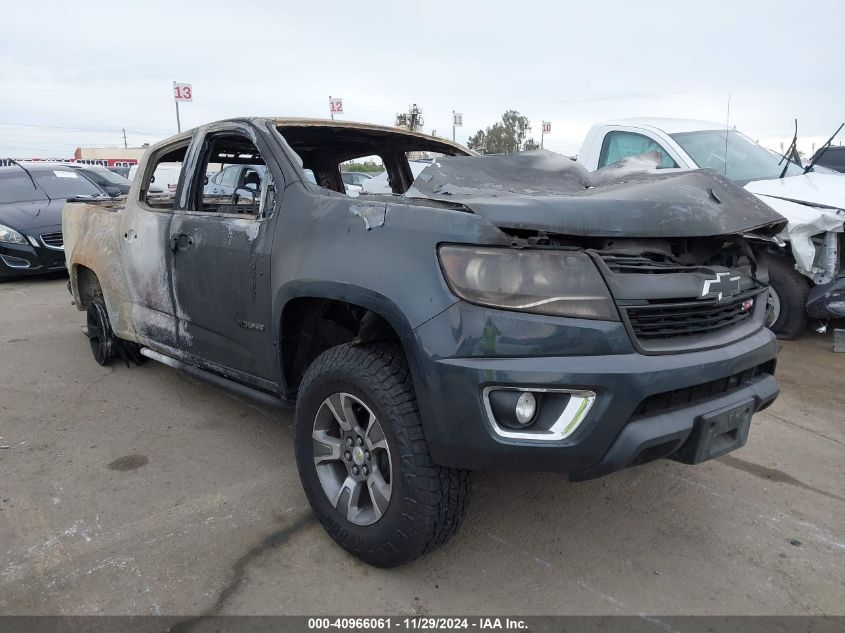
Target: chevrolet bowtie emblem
722, 286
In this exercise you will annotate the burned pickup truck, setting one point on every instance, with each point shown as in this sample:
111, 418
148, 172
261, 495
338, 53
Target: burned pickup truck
510, 312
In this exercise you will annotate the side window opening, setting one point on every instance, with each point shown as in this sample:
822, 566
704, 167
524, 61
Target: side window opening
618, 145
162, 177
364, 174
325, 151
240, 179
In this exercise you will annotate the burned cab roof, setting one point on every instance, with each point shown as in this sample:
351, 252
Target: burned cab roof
347, 140
542, 190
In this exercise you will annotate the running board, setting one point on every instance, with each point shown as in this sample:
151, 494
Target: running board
231, 386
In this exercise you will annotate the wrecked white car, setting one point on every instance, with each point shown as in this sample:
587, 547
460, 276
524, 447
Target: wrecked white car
808, 278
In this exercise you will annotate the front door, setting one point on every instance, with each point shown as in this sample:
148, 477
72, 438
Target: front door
220, 252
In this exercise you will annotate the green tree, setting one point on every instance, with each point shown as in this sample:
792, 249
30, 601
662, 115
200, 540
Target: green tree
504, 137
368, 166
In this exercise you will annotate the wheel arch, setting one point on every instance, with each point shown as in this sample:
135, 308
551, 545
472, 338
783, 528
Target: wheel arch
370, 317
85, 285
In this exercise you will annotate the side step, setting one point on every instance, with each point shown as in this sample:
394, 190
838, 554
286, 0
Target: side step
231, 386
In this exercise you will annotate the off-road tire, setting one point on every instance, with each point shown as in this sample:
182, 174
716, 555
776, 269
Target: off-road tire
428, 502
792, 289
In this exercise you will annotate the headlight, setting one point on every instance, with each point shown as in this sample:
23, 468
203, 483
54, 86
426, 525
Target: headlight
558, 283
10, 235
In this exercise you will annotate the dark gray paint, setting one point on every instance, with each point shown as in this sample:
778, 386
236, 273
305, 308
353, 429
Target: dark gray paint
380, 253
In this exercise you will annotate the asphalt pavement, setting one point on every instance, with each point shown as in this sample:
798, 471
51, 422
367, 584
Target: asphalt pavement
144, 491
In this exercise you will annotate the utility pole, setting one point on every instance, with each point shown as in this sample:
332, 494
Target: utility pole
178, 122
453, 126
331, 110
124, 139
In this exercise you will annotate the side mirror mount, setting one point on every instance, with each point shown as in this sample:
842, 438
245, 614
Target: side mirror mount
113, 191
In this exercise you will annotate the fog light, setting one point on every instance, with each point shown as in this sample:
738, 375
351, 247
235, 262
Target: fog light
526, 407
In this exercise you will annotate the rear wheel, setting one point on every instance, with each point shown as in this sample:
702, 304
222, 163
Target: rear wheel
364, 462
788, 289
105, 346
99, 333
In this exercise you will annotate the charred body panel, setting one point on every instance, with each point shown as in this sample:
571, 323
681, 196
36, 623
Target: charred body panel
257, 299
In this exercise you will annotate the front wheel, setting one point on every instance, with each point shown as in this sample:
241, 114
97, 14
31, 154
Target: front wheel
364, 462
788, 289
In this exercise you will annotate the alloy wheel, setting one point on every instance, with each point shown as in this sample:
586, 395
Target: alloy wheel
352, 458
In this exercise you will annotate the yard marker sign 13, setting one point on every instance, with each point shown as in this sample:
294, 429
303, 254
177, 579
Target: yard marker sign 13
182, 92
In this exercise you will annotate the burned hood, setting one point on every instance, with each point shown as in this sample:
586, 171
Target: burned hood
544, 191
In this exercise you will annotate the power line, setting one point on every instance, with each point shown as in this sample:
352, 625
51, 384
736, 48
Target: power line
83, 129
45, 134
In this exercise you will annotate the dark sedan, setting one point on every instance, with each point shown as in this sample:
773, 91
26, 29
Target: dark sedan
31, 200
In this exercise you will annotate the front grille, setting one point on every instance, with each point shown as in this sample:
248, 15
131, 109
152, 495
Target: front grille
52, 240
668, 400
668, 320
641, 264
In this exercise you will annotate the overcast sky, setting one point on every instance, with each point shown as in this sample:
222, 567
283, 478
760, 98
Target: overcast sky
103, 66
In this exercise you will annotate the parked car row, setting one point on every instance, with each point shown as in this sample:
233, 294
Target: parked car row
32, 197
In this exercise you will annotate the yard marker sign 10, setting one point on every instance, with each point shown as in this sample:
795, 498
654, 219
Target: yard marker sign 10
545, 129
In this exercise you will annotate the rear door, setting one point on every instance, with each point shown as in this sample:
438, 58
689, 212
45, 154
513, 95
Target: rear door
145, 231
220, 253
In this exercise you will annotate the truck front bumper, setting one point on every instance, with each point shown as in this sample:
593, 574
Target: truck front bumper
693, 406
